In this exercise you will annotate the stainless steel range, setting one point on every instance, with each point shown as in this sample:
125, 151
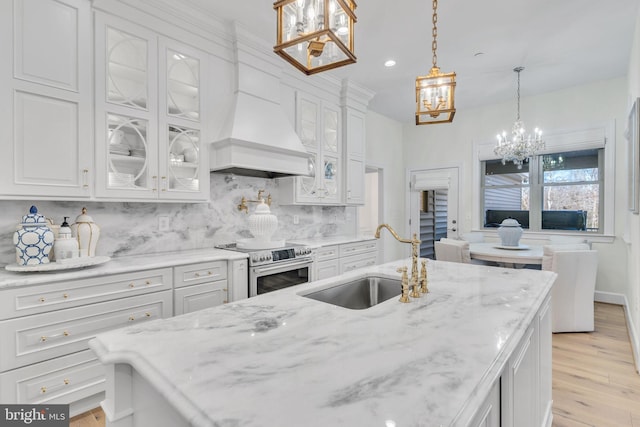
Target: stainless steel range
276, 268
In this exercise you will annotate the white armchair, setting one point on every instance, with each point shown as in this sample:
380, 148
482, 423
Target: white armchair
573, 291
452, 250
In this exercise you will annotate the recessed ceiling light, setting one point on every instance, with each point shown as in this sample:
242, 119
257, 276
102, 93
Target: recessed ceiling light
389, 63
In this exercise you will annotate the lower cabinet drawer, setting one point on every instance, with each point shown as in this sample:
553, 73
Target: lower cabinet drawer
33, 339
63, 380
192, 274
358, 248
354, 262
199, 297
327, 252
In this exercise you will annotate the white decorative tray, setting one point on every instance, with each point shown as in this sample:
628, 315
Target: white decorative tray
513, 248
54, 266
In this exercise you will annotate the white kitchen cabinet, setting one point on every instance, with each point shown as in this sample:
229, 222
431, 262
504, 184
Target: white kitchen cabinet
488, 414
200, 286
45, 329
239, 279
45, 94
333, 260
319, 126
149, 115
526, 380
326, 262
354, 156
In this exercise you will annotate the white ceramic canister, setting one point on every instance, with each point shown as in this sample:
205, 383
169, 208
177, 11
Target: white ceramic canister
33, 240
65, 246
262, 223
86, 233
510, 232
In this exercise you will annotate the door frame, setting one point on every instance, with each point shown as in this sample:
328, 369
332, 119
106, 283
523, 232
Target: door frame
409, 190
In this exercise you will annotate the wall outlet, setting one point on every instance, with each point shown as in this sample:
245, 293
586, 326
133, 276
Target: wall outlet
163, 223
296, 220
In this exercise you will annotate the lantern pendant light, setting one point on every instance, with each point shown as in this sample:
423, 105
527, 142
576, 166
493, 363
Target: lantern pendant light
435, 92
315, 35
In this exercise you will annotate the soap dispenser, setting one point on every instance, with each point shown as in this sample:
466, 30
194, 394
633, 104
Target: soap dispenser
87, 233
65, 246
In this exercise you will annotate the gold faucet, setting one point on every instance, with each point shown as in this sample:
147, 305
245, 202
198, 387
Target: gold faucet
424, 288
243, 202
415, 243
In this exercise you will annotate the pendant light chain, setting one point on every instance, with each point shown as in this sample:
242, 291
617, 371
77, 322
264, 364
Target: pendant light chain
518, 71
434, 32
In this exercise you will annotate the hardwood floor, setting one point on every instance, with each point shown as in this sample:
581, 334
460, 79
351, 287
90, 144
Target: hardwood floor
92, 418
594, 379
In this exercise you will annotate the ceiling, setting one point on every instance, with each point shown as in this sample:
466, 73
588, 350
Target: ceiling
561, 43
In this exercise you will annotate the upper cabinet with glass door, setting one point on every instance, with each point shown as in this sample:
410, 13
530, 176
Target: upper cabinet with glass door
318, 125
148, 111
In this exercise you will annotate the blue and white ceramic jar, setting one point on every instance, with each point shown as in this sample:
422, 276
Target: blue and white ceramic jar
34, 240
510, 232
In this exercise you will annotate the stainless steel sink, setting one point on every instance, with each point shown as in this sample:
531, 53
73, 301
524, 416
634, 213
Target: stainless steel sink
359, 294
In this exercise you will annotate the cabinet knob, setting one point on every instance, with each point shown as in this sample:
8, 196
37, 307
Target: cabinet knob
41, 299
209, 273
131, 318
43, 338
65, 296
197, 274
66, 381
43, 389
148, 314
132, 285
148, 282
65, 333
225, 302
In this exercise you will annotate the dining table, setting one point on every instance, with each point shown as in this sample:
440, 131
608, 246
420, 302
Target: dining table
511, 256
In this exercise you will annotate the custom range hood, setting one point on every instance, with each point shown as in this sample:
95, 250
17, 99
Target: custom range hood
257, 139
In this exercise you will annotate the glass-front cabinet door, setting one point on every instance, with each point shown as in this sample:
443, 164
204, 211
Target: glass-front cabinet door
182, 171
148, 115
318, 127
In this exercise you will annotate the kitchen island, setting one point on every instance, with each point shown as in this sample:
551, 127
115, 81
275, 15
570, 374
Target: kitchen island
476, 349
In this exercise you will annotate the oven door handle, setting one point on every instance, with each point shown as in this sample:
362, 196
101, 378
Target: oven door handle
283, 267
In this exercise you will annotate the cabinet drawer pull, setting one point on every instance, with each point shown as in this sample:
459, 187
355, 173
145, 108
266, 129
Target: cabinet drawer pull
66, 381
85, 181
209, 273
65, 296
131, 318
148, 282
43, 389
41, 299
148, 314
45, 338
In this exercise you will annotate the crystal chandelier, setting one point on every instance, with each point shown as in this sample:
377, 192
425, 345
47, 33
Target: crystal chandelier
522, 146
315, 35
435, 91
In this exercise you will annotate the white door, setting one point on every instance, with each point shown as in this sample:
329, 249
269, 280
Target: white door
444, 180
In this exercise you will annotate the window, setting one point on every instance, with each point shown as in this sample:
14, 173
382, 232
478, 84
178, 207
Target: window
553, 191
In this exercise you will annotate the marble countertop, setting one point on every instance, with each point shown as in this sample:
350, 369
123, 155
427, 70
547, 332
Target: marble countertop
281, 359
316, 242
118, 265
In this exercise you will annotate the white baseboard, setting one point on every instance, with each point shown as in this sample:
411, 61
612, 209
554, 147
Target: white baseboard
620, 299
610, 298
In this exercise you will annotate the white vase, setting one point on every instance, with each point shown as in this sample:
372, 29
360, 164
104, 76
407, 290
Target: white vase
87, 233
510, 232
262, 223
34, 240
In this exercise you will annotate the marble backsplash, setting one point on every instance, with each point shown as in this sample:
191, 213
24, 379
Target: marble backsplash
132, 228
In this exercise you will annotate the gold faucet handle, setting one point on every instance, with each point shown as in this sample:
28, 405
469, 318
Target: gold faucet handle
404, 297
423, 278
